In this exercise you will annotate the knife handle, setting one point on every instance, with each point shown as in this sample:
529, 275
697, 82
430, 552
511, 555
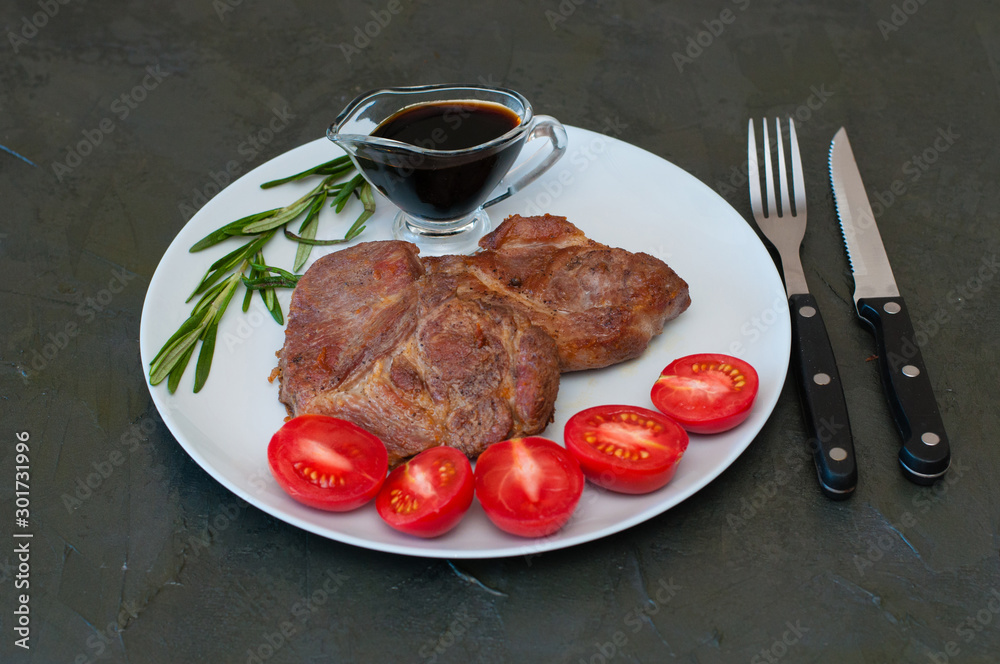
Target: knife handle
926, 454
822, 395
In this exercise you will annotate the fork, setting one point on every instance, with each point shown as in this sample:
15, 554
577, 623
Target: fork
820, 389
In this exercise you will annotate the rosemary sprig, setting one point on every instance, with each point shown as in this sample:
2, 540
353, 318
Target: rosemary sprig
335, 167
285, 279
367, 199
245, 265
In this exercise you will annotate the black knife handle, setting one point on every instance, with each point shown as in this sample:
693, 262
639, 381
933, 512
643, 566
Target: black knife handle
926, 454
822, 395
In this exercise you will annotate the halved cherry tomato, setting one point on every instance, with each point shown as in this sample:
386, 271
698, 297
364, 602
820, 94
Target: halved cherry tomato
327, 463
626, 448
528, 486
706, 393
428, 495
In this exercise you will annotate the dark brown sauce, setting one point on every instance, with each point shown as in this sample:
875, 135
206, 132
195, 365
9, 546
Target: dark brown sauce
448, 125
442, 187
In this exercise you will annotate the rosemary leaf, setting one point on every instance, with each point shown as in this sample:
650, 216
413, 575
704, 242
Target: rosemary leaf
176, 351
282, 217
261, 267
263, 283
205, 356
269, 297
225, 264
308, 230
341, 199
208, 298
332, 167
191, 323
368, 200
229, 230
288, 212
274, 306
311, 242
257, 246
225, 296
175, 374
254, 273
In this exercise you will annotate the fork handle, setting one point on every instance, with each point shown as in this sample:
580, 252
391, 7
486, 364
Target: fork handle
821, 393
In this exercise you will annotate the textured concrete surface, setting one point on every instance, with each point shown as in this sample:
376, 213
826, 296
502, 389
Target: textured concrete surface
159, 563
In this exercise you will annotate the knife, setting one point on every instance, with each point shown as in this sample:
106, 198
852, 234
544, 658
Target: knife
925, 454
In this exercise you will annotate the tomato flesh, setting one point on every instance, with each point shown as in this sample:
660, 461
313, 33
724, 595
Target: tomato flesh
706, 393
429, 494
327, 463
626, 448
528, 486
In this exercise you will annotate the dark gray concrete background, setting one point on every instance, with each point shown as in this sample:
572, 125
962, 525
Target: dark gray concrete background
162, 564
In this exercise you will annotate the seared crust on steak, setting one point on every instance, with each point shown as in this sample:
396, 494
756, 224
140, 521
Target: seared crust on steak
601, 304
466, 350
350, 309
374, 340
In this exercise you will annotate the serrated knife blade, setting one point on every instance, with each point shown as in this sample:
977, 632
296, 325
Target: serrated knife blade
872, 273
926, 453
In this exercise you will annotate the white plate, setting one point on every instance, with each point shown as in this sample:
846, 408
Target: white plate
617, 194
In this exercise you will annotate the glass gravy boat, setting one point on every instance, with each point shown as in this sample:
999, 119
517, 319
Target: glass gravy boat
442, 193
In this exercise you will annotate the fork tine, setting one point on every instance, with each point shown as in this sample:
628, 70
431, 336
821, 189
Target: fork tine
797, 176
782, 174
753, 175
772, 209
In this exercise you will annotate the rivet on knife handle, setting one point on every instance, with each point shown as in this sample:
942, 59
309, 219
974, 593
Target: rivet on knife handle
822, 394
925, 455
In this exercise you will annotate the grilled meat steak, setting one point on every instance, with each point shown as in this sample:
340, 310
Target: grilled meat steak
466, 350
373, 339
601, 304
